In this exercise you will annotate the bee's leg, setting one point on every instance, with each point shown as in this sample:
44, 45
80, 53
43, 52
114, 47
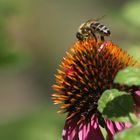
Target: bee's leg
102, 38
94, 36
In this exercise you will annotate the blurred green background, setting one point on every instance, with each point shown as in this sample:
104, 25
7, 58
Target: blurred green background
34, 35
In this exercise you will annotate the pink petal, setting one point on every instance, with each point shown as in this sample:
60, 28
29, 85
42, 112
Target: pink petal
114, 127
70, 130
110, 129
84, 131
91, 131
119, 126
127, 124
101, 47
136, 96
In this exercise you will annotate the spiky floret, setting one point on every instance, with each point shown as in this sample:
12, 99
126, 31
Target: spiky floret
85, 73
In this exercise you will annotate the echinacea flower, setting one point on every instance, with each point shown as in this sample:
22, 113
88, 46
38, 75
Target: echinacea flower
85, 74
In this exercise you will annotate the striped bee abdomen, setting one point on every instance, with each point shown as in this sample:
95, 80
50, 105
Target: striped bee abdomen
100, 28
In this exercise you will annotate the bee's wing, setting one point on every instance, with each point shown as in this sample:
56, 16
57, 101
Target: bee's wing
83, 25
86, 23
96, 19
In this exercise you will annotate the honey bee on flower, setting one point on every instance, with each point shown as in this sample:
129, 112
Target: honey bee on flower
92, 28
84, 74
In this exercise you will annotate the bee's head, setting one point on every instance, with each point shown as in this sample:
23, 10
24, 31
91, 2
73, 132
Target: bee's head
79, 36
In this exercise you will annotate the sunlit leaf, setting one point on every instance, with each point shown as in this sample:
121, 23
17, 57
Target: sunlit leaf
129, 76
117, 106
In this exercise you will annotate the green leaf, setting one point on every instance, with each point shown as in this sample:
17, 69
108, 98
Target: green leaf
117, 106
129, 76
129, 134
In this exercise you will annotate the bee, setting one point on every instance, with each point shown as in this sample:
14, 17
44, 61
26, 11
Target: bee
92, 28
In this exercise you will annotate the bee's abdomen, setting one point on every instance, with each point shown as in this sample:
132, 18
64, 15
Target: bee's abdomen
104, 30
97, 27
94, 25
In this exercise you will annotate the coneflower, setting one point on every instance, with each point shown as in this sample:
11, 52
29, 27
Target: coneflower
84, 75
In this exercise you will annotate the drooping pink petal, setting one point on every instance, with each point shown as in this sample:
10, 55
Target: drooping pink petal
70, 130
95, 132
90, 131
110, 129
119, 126
136, 96
83, 131
127, 124
114, 127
